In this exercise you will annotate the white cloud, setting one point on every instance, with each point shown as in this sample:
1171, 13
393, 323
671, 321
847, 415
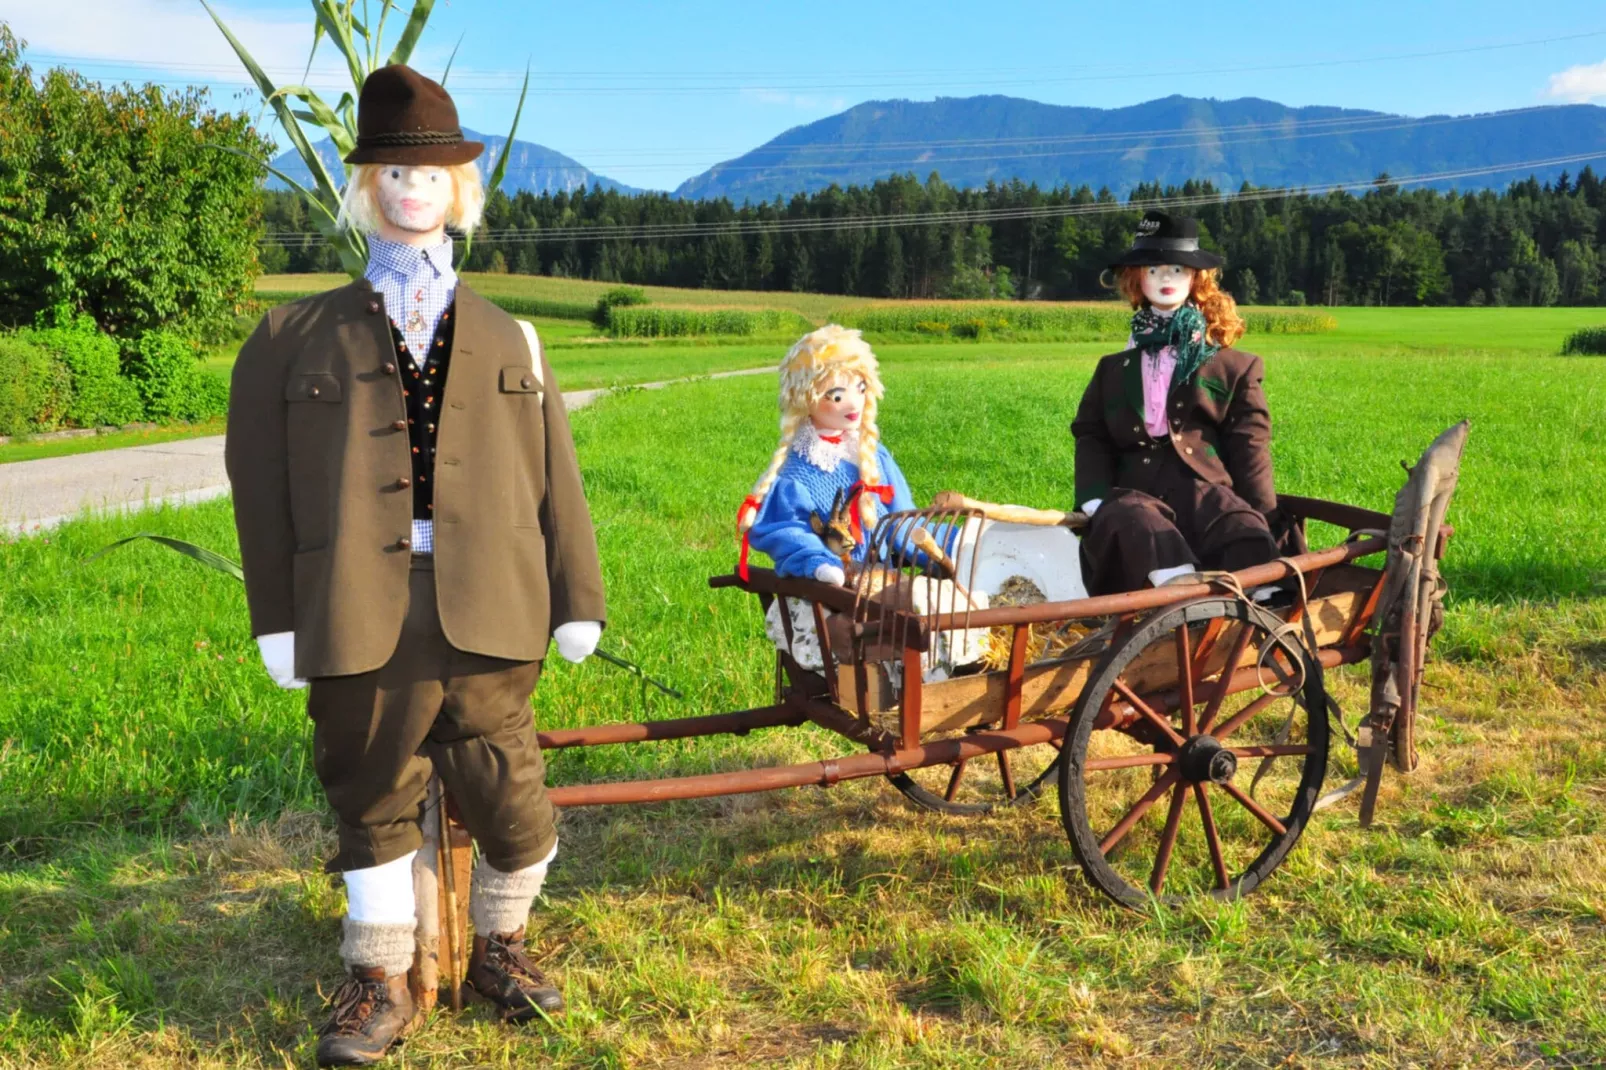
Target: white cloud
800, 101
174, 35
1579, 84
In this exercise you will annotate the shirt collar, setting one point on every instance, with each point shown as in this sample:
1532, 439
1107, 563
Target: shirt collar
412, 261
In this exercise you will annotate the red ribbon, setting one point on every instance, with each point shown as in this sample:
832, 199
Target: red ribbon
879, 490
751, 501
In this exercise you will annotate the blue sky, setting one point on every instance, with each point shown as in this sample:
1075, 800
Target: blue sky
653, 93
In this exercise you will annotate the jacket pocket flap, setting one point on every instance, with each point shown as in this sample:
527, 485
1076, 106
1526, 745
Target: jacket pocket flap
312, 386
518, 379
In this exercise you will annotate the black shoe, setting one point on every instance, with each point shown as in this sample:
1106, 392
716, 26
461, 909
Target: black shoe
371, 1012
500, 971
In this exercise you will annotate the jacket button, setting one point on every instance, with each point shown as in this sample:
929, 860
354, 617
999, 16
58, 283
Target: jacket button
399, 425
373, 308
1145, 460
526, 382
403, 483
404, 544
1189, 450
312, 391
388, 368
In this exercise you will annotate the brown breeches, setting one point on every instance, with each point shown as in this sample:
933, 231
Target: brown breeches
378, 735
1185, 521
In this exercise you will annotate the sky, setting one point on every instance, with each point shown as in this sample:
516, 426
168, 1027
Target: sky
652, 93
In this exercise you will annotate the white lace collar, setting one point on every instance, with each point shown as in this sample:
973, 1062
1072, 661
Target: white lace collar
824, 455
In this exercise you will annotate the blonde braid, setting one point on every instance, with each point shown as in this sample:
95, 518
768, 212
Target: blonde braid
869, 469
790, 424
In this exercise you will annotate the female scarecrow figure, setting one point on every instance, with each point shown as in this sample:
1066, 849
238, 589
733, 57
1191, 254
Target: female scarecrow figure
414, 531
1173, 436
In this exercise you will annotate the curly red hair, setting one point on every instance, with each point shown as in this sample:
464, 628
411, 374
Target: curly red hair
1220, 310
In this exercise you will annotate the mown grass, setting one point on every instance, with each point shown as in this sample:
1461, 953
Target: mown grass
160, 901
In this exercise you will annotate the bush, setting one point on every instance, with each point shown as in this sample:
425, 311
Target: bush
1589, 342
617, 297
650, 322
101, 396
167, 373
35, 388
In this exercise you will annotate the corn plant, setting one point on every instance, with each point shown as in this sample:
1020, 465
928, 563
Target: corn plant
360, 42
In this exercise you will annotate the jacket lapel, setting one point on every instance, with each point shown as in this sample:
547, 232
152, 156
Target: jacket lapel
1132, 378
467, 377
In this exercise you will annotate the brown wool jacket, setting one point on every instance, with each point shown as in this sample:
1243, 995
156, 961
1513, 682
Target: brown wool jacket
318, 466
1220, 428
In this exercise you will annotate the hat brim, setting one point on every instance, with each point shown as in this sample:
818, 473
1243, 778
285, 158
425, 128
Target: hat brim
418, 155
1199, 258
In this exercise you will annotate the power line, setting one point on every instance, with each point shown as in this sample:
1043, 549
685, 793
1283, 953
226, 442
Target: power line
692, 229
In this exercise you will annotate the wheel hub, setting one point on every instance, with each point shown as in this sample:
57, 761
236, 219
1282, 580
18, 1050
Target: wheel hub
1203, 758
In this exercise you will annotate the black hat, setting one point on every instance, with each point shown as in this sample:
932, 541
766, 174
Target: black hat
1163, 240
408, 119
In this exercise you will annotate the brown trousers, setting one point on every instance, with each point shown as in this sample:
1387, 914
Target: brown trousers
1185, 521
378, 735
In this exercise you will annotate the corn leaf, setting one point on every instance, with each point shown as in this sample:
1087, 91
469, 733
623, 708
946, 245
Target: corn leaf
201, 554
323, 115
447, 73
412, 31
338, 23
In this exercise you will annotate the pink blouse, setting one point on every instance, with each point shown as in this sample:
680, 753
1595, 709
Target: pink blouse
1157, 369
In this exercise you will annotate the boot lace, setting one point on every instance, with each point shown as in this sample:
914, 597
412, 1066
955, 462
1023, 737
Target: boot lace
356, 1002
511, 960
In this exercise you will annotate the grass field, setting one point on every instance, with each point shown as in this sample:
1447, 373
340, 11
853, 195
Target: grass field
161, 904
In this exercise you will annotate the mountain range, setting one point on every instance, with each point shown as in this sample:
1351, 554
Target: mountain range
530, 167
974, 140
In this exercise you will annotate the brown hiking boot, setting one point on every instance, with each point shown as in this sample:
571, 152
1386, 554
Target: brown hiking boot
371, 1012
500, 971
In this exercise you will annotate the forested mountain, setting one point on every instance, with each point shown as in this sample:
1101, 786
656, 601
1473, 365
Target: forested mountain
1531, 244
974, 140
531, 167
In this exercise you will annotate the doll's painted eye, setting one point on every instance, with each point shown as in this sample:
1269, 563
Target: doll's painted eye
864, 387
434, 178
395, 173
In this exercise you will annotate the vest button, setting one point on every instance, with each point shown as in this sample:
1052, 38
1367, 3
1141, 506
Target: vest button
399, 425
388, 368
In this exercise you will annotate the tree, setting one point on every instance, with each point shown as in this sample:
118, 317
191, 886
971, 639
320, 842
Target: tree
1247, 288
119, 203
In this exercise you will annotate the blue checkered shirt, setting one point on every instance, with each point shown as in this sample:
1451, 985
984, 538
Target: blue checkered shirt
418, 285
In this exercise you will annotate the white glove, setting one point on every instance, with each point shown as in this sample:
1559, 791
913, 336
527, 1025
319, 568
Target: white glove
279, 657
1091, 506
831, 574
577, 640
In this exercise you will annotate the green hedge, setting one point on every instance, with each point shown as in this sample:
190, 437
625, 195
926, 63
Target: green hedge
166, 372
1588, 342
101, 396
647, 321
35, 388
1090, 322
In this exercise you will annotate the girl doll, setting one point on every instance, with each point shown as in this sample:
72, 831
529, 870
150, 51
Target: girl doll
830, 451
1173, 462
830, 446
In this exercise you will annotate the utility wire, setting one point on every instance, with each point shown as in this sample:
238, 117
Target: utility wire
693, 229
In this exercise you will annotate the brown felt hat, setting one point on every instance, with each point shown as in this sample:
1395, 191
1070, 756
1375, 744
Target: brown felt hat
405, 118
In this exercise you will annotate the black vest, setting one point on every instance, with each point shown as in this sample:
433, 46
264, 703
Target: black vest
423, 392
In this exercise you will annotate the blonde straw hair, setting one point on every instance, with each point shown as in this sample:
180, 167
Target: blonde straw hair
818, 362
359, 204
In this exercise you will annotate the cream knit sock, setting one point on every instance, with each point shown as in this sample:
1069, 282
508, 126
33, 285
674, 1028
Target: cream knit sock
500, 902
368, 944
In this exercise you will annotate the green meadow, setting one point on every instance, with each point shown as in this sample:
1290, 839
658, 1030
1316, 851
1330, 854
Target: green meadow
161, 831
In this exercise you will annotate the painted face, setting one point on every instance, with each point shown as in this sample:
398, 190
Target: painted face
1167, 285
841, 407
415, 198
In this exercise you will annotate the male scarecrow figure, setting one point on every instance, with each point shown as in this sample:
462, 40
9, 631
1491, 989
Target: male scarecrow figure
413, 529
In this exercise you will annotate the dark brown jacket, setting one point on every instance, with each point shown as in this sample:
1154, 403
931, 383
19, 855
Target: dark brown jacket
1220, 428
318, 467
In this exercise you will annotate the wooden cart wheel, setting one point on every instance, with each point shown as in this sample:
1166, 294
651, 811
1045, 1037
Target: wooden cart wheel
1238, 773
981, 785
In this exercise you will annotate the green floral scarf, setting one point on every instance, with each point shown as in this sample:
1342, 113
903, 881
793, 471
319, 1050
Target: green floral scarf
1184, 329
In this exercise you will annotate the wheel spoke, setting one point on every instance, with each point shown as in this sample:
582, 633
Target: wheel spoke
1168, 839
1143, 708
1185, 681
1007, 774
1237, 720
1239, 642
1128, 761
1248, 803
953, 780
1140, 808
1211, 836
